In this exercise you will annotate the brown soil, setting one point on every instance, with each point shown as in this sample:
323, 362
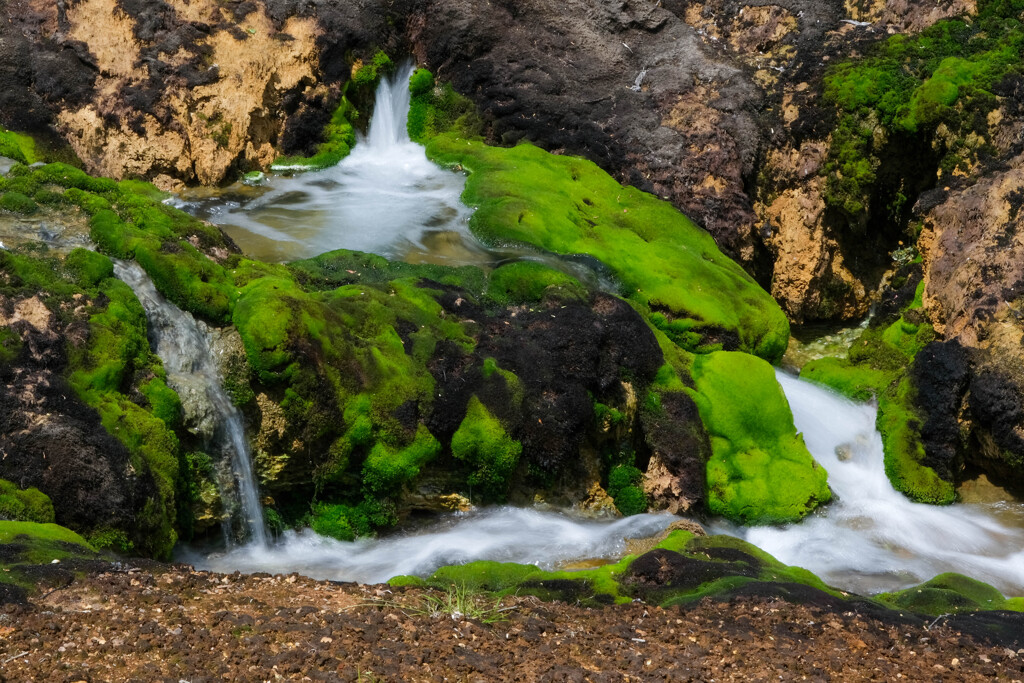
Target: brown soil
185, 625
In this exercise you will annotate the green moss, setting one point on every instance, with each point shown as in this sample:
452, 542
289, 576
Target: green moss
18, 147
482, 442
760, 471
892, 101
10, 345
15, 202
163, 401
624, 486
439, 109
339, 138
524, 282
44, 540
88, 268
333, 521
368, 74
387, 470
24, 505
900, 427
948, 594
664, 262
342, 267
115, 540
876, 367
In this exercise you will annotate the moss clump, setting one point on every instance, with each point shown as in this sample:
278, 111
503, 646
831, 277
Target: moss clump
665, 263
439, 109
526, 282
368, 74
877, 367
482, 442
44, 542
339, 138
24, 505
88, 268
760, 471
894, 101
15, 202
624, 486
948, 594
18, 147
336, 268
387, 470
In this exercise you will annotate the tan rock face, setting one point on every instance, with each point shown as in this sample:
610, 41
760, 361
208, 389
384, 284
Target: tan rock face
906, 15
973, 244
810, 279
228, 116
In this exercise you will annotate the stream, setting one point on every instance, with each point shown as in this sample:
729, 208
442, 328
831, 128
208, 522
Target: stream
387, 198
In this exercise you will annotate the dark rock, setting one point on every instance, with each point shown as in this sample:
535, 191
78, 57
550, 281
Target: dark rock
940, 373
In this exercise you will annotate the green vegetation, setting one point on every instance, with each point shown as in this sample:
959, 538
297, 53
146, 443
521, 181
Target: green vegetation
876, 366
29, 549
18, 147
624, 486
439, 109
523, 282
368, 74
714, 566
665, 264
927, 95
482, 442
948, 594
339, 138
760, 471
112, 363
24, 505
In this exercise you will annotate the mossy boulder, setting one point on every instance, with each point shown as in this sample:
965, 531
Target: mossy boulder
951, 593
663, 262
760, 471
24, 505
34, 557
482, 443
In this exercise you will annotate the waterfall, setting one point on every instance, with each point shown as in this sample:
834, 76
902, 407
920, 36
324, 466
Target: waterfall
872, 538
385, 197
184, 346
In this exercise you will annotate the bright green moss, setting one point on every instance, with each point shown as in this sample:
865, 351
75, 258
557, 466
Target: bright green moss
760, 471
18, 147
339, 138
948, 594
524, 282
368, 74
624, 486
12, 531
902, 90
333, 521
439, 109
482, 442
664, 262
900, 425
15, 202
343, 267
88, 268
387, 470
857, 382
163, 401
24, 505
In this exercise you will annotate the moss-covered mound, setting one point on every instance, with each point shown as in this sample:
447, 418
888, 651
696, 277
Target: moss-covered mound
665, 263
760, 471
877, 365
951, 593
31, 555
83, 348
682, 568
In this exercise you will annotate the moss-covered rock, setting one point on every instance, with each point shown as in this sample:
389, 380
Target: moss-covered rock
951, 593
877, 366
663, 261
482, 442
24, 505
760, 471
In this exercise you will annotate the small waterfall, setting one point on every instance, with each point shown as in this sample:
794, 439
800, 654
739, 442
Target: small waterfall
183, 344
872, 538
385, 197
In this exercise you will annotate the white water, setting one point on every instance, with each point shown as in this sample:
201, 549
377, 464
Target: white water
872, 538
183, 344
385, 197
504, 534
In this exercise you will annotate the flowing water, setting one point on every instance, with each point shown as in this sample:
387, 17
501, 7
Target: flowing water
872, 538
184, 346
505, 534
385, 197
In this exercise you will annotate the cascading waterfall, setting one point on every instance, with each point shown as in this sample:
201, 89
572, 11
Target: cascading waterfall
184, 346
871, 538
385, 197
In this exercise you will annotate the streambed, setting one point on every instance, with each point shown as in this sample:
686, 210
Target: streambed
387, 198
